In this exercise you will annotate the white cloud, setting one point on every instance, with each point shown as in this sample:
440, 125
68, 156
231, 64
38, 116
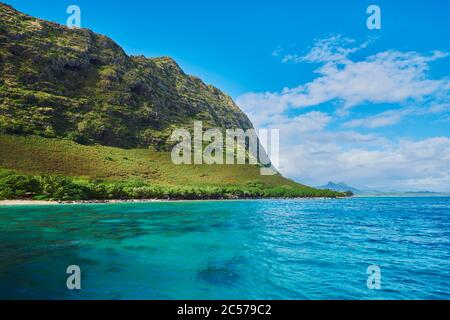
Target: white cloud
391, 117
309, 122
383, 119
277, 52
439, 108
387, 77
406, 165
314, 154
333, 49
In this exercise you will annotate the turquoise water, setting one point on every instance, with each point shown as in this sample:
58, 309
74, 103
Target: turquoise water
268, 249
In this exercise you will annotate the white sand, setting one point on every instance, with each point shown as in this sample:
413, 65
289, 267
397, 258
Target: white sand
24, 202
36, 202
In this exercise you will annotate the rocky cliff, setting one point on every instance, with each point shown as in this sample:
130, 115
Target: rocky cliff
58, 82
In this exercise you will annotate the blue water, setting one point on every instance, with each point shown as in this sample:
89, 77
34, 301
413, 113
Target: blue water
268, 249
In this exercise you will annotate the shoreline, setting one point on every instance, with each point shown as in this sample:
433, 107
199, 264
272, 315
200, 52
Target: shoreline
4, 203
117, 201
42, 202
25, 202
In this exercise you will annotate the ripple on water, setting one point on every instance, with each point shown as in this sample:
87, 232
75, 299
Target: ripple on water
282, 249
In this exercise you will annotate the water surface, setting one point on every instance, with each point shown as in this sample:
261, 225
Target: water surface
265, 249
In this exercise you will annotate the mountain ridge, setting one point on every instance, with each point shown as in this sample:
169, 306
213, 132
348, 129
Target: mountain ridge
340, 186
343, 187
73, 83
80, 119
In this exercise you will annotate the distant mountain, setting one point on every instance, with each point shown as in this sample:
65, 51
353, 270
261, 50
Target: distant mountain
421, 193
343, 187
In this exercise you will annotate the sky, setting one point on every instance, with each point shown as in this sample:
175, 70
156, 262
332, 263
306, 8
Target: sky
367, 107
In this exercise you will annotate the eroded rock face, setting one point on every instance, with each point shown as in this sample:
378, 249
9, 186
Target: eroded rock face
73, 83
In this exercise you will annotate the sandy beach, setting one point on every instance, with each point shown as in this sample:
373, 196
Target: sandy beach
25, 202
36, 202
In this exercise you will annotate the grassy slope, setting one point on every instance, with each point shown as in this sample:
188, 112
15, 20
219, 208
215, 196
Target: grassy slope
37, 155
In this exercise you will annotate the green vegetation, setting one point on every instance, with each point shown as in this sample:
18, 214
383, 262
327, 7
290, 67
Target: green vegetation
349, 193
80, 119
48, 187
74, 84
42, 168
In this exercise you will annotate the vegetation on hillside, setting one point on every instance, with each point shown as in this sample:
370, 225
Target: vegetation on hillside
80, 119
50, 187
72, 83
42, 168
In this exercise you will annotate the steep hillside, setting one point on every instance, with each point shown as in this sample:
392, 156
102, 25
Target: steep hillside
58, 82
80, 119
44, 168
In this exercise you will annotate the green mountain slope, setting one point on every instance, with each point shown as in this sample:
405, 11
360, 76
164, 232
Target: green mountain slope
44, 168
80, 119
58, 82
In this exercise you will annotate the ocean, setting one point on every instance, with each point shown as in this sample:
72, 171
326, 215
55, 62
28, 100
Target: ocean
250, 249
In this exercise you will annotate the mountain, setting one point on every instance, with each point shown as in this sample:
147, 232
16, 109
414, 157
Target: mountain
62, 83
341, 187
80, 119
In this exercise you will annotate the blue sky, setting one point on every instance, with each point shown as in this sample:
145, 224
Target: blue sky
377, 114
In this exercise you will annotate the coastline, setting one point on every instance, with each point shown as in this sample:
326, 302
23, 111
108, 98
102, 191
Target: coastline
26, 202
39, 202
4, 203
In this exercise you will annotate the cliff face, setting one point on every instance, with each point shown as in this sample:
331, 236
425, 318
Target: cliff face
65, 83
